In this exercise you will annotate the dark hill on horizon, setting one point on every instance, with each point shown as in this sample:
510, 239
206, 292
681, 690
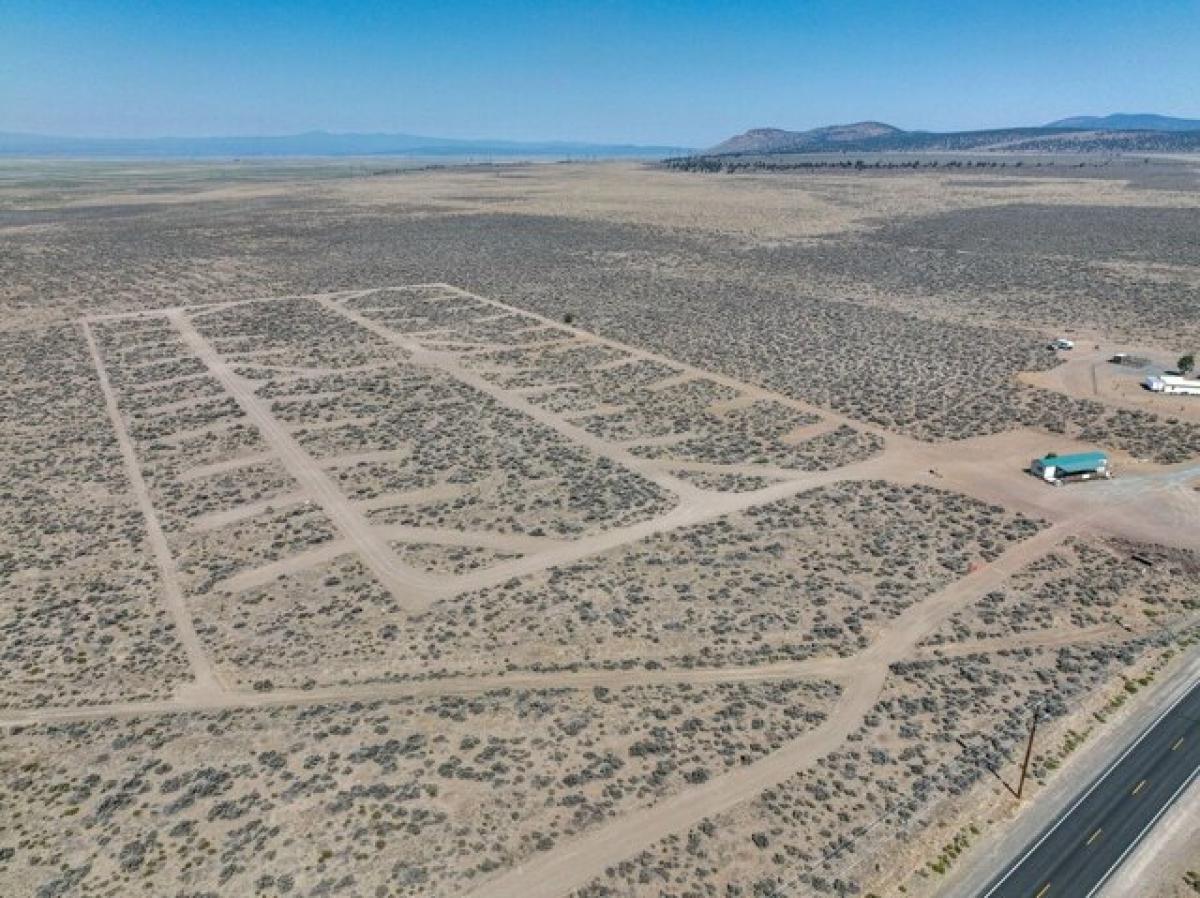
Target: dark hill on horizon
797, 141
877, 137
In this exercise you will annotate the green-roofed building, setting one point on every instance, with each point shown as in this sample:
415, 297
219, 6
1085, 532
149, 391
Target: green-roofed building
1058, 469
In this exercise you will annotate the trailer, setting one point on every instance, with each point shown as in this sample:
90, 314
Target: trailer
1172, 383
1061, 469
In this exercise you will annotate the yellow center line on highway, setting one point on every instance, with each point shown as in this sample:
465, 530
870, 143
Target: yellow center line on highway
1178, 743
1093, 836
1042, 891
1138, 787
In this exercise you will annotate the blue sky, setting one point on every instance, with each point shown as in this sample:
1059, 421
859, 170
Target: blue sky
647, 72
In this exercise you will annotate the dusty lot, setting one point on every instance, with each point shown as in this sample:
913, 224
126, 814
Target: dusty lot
551, 530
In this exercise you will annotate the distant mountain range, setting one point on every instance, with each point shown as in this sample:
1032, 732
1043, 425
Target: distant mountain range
1122, 132
1114, 134
1124, 121
314, 143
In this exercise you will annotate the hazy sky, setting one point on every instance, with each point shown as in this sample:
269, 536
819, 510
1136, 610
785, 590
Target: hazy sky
645, 71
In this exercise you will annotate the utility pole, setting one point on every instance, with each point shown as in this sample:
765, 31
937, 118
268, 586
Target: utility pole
1028, 753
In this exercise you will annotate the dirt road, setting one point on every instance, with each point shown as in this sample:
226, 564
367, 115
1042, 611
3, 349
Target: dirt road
556, 873
204, 674
407, 585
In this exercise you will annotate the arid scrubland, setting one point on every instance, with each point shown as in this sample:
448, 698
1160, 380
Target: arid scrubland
934, 733
1079, 587
81, 619
446, 789
546, 530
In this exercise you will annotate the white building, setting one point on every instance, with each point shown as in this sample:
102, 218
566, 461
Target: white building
1172, 383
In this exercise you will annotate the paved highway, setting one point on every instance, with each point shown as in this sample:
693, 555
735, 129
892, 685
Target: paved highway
1077, 853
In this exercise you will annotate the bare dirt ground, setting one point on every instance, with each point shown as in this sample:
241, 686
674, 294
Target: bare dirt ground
567, 530
1088, 372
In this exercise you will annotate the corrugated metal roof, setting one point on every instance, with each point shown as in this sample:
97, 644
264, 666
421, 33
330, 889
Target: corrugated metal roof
1078, 461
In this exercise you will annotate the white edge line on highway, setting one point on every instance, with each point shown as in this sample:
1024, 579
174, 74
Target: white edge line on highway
1138, 839
1111, 767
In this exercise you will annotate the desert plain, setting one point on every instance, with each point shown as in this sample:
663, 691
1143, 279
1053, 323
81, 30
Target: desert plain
590, 530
